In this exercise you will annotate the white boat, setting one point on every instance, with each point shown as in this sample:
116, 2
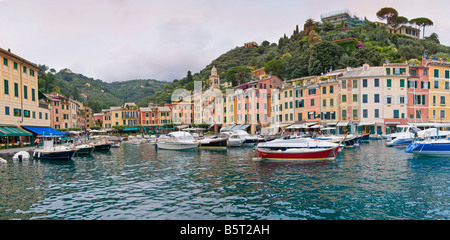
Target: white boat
177, 141
214, 142
301, 149
406, 138
235, 139
430, 147
22, 155
54, 152
84, 149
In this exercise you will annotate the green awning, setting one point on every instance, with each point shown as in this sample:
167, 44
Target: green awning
13, 132
131, 129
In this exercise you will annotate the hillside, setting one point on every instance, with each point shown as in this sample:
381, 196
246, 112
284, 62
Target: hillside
96, 93
316, 49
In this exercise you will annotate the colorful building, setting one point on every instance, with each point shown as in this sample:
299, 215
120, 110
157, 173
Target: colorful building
418, 94
19, 105
439, 76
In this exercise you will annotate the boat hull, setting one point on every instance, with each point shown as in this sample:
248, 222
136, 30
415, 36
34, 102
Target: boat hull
84, 151
54, 155
435, 149
235, 142
177, 145
300, 155
214, 143
102, 147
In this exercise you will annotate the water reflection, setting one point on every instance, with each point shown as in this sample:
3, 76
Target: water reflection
140, 182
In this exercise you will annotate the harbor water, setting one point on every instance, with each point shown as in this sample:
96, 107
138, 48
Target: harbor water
370, 182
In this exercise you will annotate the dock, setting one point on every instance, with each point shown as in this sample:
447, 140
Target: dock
9, 153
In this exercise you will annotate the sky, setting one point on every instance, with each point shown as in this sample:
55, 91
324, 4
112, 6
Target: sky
117, 40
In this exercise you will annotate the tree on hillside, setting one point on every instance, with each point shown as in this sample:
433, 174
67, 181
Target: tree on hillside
324, 56
399, 20
238, 75
308, 26
387, 14
365, 55
422, 22
274, 67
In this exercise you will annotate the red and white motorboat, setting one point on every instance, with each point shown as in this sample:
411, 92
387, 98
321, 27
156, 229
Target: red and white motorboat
303, 149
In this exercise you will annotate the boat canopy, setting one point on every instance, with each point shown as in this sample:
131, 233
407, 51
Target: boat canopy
342, 124
45, 131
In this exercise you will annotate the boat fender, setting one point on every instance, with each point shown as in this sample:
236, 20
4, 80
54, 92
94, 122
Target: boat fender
74, 147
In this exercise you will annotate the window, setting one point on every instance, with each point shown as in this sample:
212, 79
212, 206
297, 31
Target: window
447, 74
365, 113
377, 113
376, 98
418, 113
33, 95
364, 83
312, 102
16, 89
447, 85
388, 71
5, 61
25, 92
344, 83
26, 113
15, 65
6, 110
32, 73
324, 90
324, 103
331, 89
344, 114
436, 84
24, 69
436, 73
402, 99
365, 98
344, 98
6, 86
17, 112
402, 82
389, 83
355, 113
434, 99
413, 72
376, 82
396, 114
425, 72
355, 97
442, 114
331, 102
388, 99
355, 83
434, 113
442, 100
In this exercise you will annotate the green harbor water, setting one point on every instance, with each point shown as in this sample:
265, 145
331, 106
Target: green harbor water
140, 182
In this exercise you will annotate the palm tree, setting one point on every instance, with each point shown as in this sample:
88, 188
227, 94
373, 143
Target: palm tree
307, 27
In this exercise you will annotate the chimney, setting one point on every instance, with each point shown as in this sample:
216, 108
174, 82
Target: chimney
9, 50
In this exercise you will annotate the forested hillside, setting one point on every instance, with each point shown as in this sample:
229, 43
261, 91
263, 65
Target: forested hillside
313, 50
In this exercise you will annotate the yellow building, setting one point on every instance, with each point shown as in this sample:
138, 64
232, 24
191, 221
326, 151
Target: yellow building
329, 98
439, 75
106, 118
19, 105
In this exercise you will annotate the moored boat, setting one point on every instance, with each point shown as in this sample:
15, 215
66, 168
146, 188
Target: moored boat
430, 147
177, 141
84, 149
54, 152
303, 149
214, 142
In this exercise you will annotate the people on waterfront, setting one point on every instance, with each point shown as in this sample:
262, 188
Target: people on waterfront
36, 142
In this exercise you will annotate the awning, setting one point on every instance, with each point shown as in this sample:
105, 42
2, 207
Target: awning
284, 125
227, 128
131, 129
366, 124
45, 131
342, 124
13, 132
392, 123
297, 126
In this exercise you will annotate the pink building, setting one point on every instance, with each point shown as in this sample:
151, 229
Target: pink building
418, 94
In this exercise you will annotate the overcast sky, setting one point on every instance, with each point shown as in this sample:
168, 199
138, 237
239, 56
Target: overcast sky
116, 40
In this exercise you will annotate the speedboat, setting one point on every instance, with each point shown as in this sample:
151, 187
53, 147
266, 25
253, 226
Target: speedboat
54, 152
406, 138
430, 147
101, 144
177, 141
302, 149
235, 139
214, 142
84, 149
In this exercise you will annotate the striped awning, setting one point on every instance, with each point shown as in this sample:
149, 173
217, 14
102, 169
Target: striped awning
13, 132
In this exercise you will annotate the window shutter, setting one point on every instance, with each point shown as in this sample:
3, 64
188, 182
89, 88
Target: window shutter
423, 99
385, 99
